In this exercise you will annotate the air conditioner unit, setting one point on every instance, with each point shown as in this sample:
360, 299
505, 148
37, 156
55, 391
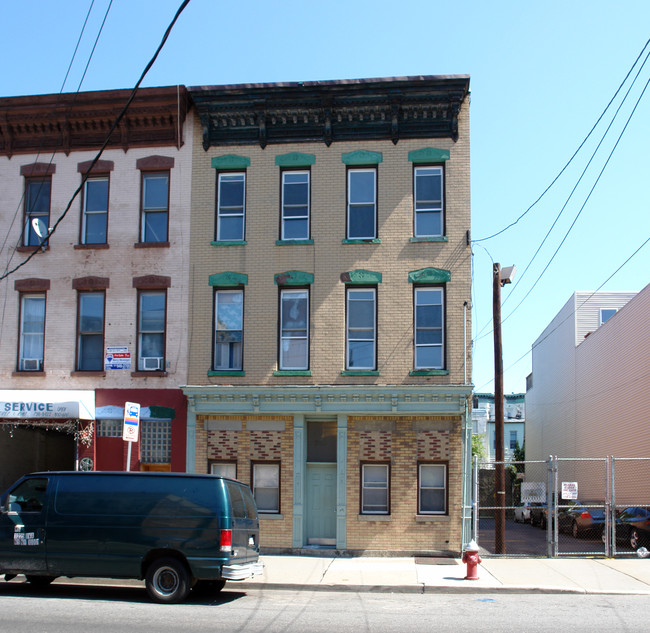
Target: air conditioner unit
31, 364
152, 363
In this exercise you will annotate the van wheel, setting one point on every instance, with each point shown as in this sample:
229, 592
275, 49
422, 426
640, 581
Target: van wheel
40, 581
207, 587
168, 580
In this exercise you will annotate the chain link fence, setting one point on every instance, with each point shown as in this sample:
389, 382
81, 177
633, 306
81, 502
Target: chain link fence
563, 506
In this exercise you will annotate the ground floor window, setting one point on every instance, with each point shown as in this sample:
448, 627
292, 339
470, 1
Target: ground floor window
224, 469
266, 486
432, 488
109, 428
156, 442
375, 480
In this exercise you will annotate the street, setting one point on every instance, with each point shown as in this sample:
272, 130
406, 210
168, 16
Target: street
69, 608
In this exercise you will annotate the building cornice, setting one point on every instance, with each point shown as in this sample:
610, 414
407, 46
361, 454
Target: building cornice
331, 111
82, 121
353, 400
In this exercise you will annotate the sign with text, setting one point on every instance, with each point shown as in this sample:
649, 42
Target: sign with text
117, 357
131, 421
39, 410
533, 491
569, 490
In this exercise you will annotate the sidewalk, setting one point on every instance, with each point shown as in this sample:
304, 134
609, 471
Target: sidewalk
446, 575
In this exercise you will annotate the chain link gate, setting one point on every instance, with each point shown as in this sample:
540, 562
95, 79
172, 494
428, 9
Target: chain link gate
563, 507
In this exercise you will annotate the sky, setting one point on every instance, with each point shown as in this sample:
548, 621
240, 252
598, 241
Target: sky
541, 76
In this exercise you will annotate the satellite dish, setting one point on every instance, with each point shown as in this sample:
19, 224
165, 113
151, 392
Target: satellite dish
40, 228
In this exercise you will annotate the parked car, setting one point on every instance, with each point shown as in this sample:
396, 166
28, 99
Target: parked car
522, 512
632, 526
538, 515
578, 518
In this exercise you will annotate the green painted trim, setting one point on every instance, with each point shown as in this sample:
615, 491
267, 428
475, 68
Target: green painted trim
296, 372
359, 372
428, 155
213, 373
429, 276
228, 279
230, 161
294, 278
438, 238
375, 240
429, 372
293, 242
361, 276
362, 157
295, 159
220, 243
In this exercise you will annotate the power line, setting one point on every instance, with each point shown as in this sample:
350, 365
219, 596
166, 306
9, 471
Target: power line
119, 117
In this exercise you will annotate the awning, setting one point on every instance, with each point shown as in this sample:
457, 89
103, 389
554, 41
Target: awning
47, 404
112, 412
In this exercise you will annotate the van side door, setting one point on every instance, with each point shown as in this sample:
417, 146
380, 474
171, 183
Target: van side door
245, 524
23, 532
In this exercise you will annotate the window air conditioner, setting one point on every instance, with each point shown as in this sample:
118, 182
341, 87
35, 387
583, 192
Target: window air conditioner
31, 364
152, 363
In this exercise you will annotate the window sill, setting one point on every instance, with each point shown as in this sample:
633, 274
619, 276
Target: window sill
225, 372
93, 373
370, 240
296, 372
226, 243
375, 517
424, 518
360, 372
31, 249
293, 242
148, 374
270, 515
152, 245
429, 372
436, 238
85, 247
27, 374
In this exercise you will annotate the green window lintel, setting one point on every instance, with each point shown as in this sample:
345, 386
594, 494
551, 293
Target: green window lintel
361, 277
231, 161
216, 373
429, 276
296, 372
368, 241
294, 278
362, 157
438, 238
228, 279
429, 372
293, 242
295, 159
360, 372
428, 155
229, 243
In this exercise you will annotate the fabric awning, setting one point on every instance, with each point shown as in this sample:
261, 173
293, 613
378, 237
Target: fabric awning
47, 404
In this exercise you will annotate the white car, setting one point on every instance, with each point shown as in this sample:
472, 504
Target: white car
522, 513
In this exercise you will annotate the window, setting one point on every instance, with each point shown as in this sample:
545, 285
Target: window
37, 207
156, 442
429, 330
32, 332
224, 469
94, 221
295, 205
27, 496
231, 206
513, 440
155, 206
606, 314
432, 484
229, 329
361, 329
90, 331
427, 201
266, 487
110, 428
374, 488
294, 329
362, 204
151, 330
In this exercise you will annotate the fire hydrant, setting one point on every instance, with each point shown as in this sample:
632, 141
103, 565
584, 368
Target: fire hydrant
472, 559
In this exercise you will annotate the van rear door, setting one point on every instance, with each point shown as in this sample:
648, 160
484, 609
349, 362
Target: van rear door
244, 523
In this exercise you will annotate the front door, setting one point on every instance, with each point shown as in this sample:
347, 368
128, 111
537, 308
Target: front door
321, 504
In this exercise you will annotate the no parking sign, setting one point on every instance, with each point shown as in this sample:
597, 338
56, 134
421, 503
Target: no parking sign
131, 422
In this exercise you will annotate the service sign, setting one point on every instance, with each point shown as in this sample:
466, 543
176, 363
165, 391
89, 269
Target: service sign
131, 422
26, 409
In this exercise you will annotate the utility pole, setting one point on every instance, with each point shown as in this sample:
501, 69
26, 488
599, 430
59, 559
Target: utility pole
499, 278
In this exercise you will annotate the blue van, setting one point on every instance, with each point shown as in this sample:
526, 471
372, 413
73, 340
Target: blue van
175, 531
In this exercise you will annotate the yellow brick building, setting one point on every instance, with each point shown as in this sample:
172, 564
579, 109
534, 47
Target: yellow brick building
329, 308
